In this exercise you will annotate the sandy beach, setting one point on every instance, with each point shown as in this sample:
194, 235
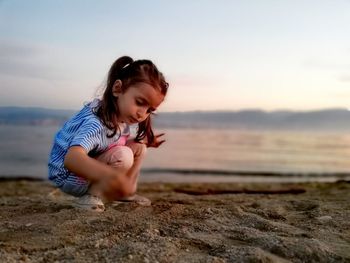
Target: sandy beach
198, 222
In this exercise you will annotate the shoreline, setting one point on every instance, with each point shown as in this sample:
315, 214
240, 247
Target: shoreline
178, 177
187, 222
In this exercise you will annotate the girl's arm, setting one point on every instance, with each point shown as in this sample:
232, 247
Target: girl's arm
78, 162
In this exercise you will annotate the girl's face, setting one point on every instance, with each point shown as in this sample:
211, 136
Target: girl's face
137, 102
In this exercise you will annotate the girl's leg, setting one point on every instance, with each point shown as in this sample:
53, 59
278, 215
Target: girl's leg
139, 151
127, 159
121, 158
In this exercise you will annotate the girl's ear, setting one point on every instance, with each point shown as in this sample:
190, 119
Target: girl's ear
117, 88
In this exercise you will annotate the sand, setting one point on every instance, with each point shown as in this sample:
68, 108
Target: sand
197, 222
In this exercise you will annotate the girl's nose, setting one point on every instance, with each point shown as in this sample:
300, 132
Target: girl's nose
140, 114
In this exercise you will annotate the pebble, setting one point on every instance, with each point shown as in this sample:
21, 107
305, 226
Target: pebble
324, 219
24, 258
209, 211
98, 243
91, 221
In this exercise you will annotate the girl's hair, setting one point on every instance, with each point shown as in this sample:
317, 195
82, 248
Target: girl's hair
130, 72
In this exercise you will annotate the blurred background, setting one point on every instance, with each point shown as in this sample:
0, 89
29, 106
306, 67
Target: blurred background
259, 90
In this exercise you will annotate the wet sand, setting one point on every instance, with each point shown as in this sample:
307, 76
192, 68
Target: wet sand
198, 222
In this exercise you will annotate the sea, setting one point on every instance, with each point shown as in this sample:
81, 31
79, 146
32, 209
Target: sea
209, 155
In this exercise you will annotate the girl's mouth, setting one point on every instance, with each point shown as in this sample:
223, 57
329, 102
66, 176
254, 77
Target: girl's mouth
133, 120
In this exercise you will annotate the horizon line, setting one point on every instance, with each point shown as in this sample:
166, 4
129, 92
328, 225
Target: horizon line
201, 110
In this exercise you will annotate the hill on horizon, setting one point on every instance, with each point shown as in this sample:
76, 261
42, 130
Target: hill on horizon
330, 119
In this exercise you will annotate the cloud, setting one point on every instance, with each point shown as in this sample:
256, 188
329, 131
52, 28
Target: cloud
16, 50
29, 61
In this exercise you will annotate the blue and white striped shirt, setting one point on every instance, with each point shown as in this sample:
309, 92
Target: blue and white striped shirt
86, 130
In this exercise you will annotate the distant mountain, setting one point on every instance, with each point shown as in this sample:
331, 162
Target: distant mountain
330, 119
35, 116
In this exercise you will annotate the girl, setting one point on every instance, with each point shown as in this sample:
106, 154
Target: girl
92, 157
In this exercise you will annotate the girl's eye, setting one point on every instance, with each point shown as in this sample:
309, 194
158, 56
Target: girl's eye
139, 103
143, 103
151, 111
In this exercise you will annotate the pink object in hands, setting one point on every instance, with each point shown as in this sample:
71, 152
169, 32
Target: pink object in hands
121, 142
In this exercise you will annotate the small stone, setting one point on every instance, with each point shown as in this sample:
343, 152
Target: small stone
98, 243
24, 258
209, 211
92, 221
130, 257
29, 224
324, 219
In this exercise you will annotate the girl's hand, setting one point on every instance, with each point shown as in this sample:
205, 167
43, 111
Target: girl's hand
110, 189
156, 142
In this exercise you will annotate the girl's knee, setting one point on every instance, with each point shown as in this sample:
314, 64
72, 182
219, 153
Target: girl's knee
124, 158
139, 149
120, 156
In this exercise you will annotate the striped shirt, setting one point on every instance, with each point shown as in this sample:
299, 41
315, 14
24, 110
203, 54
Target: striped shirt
86, 130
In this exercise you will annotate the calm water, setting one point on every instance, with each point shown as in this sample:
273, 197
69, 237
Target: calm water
24, 151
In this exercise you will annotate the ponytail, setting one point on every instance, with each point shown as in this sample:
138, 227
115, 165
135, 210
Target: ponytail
116, 69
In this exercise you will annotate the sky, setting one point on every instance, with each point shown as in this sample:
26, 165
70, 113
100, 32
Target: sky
216, 55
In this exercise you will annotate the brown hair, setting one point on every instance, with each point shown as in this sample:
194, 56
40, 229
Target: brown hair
130, 72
